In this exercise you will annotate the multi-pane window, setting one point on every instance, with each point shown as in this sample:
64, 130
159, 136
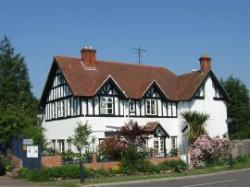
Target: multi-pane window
162, 145
106, 105
151, 107
61, 144
156, 146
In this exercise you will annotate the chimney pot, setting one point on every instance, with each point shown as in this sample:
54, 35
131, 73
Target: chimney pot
205, 63
88, 56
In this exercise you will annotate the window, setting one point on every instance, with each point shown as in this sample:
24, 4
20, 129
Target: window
132, 106
151, 107
53, 144
156, 146
69, 145
162, 145
106, 105
60, 79
60, 108
173, 142
61, 146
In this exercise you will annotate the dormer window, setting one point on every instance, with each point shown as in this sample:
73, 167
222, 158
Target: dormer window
150, 106
106, 105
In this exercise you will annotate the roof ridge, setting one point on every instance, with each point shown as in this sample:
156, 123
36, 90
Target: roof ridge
122, 63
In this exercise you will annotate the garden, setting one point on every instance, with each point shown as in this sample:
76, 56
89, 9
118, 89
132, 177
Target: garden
206, 155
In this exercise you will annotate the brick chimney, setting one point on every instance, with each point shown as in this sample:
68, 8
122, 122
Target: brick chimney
205, 63
88, 56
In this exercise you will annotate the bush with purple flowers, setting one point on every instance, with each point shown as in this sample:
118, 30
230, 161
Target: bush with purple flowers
206, 150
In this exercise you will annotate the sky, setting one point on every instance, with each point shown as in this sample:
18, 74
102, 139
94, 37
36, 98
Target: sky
174, 33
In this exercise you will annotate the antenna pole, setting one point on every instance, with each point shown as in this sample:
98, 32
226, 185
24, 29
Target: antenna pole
139, 52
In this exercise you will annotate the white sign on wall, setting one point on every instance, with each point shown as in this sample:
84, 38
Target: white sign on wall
27, 141
32, 151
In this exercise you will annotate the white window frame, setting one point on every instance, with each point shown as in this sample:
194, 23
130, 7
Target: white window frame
106, 105
61, 146
149, 102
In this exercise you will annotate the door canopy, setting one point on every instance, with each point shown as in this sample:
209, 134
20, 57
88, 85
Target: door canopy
156, 129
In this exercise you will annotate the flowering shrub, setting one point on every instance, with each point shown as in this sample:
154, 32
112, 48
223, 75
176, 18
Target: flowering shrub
206, 150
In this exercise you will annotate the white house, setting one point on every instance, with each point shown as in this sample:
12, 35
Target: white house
109, 94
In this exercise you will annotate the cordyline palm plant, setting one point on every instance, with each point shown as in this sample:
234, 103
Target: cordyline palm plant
195, 121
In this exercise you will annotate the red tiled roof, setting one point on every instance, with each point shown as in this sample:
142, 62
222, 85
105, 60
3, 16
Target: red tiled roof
150, 126
134, 79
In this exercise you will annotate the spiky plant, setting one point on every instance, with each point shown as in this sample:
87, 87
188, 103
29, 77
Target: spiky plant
195, 121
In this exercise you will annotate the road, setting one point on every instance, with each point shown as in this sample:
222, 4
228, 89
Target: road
229, 179
239, 178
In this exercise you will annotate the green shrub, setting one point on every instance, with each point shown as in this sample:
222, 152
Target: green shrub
65, 172
5, 165
134, 161
173, 152
176, 165
242, 159
34, 175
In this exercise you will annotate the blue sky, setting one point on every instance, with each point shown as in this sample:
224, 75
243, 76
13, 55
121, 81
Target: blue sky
174, 33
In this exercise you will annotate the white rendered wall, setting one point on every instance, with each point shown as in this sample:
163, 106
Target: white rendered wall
64, 129
216, 109
216, 125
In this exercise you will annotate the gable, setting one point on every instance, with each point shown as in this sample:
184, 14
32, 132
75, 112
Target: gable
154, 91
219, 91
110, 87
56, 86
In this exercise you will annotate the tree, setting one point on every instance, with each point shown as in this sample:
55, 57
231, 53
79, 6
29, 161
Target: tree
132, 134
238, 108
112, 148
18, 106
195, 121
81, 137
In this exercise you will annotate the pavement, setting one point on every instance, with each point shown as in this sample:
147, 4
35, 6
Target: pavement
238, 178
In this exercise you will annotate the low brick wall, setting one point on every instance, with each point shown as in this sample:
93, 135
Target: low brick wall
51, 161
54, 161
156, 161
103, 165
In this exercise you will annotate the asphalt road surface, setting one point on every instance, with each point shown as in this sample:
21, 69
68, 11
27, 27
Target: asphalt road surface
229, 179
239, 178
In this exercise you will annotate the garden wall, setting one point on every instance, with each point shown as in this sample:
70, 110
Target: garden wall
51, 161
240, 147
54, 161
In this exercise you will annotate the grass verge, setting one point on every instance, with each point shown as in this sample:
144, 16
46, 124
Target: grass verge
75, 182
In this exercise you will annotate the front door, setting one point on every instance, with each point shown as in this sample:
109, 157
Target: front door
159, 146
